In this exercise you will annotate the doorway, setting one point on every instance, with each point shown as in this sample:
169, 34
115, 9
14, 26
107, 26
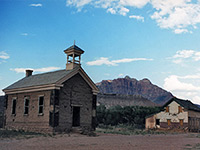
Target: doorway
76, 117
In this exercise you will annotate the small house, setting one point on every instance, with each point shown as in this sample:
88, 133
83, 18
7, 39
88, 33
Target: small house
54, 101
176, 114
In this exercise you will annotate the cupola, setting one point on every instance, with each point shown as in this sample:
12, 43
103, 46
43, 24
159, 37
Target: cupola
73, 57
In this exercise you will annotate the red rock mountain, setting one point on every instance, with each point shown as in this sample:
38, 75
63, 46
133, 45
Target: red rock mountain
131, 86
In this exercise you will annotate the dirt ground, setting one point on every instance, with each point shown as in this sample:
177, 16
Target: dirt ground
104, 142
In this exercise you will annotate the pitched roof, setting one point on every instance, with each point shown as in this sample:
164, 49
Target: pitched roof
40, 79
184, 103
74, 47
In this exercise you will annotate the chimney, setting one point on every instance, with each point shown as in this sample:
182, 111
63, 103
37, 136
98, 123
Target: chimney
28, 73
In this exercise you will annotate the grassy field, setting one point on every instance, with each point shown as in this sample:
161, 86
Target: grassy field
130, 130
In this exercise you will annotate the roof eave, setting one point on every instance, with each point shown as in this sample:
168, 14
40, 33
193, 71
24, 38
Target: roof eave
32, 88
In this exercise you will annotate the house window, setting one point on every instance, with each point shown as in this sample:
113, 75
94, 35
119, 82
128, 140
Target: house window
157, 121
180, 109
181, 122
14, 102
26, 105
167, 109
41, 105
168, 122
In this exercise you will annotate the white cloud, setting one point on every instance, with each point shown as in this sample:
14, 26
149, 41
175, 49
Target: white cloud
4, 55
182, 55
47, 69
1, 92
176, 14
179, 31
184, 87
196, 100
137, 17
172, 83
120, 75
78, 3
196, 56
24, 34
36, 5
177, 61
181, 16
123, 11
134, 3
126, 60
111, 10
106, 61
101, 61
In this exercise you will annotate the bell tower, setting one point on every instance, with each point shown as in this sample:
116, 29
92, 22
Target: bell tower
73, 56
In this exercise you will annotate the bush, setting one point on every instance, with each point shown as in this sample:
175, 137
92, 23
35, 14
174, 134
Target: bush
128, 115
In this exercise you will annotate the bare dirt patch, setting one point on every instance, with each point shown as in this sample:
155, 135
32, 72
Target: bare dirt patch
104, 142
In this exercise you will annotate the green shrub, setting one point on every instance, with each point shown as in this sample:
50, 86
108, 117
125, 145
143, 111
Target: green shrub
128, 115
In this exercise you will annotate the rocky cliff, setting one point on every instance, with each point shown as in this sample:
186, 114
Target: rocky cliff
131, 86
124, 100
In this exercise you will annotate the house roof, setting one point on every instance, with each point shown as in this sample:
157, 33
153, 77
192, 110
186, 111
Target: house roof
48, 81
184, 103
39, 79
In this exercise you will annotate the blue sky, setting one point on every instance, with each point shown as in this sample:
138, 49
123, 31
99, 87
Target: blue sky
154, 39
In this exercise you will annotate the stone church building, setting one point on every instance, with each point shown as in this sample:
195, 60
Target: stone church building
54, 101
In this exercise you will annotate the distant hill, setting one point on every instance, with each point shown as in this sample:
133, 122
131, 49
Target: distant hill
131, 86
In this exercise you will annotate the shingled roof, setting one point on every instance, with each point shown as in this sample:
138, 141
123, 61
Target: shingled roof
75, 48
184, 103
40, 79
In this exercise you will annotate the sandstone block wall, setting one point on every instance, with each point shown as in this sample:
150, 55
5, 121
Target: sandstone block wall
33, 121
76, 92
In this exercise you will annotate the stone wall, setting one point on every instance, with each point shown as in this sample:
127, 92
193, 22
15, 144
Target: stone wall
173, 114
174, 125
75, 92
33, 121
194, 121
150, 122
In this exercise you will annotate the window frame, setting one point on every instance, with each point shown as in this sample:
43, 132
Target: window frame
14, 99
169, 122
157, 121
180, 109
181, 122
40, 114
26, 98
167, 108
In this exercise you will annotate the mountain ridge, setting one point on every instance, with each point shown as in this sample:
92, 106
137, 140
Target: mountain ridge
132, 86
